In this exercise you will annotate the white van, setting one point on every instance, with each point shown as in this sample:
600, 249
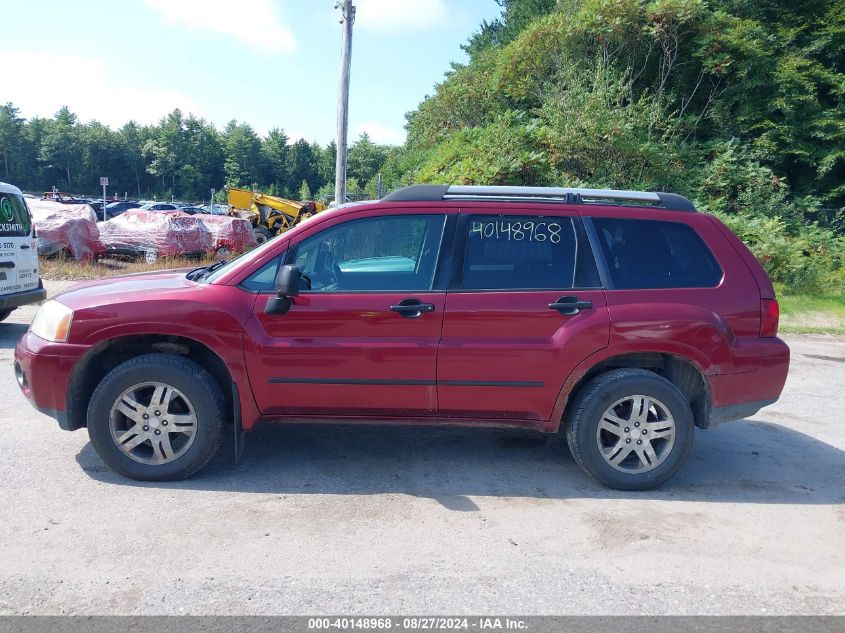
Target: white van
20, 283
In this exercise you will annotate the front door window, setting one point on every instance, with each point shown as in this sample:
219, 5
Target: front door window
372, 254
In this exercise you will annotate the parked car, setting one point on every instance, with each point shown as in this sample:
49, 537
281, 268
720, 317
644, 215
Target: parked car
20, 281
215, 209
191, 210
66, 228
228, 234
624, 319
154, 233
113, 209
63, 197
158, 206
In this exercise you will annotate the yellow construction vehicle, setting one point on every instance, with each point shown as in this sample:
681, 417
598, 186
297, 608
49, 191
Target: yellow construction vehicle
270, 215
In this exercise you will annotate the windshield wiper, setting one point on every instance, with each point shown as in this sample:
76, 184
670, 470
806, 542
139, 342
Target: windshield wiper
204, 271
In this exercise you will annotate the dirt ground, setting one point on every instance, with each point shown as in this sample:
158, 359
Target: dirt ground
398, 520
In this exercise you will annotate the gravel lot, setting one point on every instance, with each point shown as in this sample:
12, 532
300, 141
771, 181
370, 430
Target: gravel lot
396, 520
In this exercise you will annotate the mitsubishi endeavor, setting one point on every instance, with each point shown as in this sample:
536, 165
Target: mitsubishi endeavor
624, 319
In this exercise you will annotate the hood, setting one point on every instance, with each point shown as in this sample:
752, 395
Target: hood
127, 288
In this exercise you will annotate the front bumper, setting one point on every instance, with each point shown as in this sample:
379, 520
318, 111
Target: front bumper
43, 371
18, 299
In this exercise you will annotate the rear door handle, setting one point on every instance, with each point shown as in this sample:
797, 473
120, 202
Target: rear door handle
570, 305
412, 308
24, 247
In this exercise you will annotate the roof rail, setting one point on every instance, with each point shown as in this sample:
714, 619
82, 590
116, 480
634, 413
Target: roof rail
436, 193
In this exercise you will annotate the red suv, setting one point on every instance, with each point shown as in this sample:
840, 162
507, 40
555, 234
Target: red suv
625, 318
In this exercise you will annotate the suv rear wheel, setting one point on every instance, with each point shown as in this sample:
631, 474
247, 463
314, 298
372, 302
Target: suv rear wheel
156, 417
630, 429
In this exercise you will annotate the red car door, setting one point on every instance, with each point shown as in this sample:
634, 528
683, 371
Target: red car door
361, 338
526, 308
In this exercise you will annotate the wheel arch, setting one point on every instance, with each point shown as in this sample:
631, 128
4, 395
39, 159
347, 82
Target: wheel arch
108, 354
681, 371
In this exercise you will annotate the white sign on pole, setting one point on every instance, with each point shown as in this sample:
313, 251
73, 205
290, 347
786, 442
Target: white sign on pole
104, 182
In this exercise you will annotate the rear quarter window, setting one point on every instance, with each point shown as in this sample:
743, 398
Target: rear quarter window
643, 254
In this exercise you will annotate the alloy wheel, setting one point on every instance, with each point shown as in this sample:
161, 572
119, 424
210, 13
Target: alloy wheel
153, 423
636, 434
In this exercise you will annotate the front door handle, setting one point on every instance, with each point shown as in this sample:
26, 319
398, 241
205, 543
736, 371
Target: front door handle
570, 305
24, 247
412, 308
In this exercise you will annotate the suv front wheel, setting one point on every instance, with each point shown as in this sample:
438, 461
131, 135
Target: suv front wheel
630, 429
156, 417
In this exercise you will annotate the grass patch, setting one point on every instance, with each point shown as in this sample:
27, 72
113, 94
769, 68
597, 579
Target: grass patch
68, 269
794, 304
807, 314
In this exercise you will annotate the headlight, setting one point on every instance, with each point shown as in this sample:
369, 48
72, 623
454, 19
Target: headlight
52, 322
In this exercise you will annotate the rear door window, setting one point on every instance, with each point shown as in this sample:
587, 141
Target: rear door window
653, 254
525, 252
14, 216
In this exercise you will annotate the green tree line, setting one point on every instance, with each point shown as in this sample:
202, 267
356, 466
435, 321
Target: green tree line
180, 156
738, 104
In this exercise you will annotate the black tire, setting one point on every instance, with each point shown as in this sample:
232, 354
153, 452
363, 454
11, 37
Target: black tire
262, 234
585, 413
4, 314
190, 379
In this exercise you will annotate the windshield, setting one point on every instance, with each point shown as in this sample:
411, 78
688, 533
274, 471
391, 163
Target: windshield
269, 244
243, 257
14, 217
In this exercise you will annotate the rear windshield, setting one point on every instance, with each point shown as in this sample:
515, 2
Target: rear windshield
654, 254
14, 216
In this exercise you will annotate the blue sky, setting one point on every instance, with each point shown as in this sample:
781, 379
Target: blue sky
270, 63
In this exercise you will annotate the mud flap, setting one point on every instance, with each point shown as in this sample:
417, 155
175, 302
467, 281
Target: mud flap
236, 423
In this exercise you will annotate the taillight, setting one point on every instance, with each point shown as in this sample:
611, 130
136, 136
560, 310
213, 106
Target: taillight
769, 317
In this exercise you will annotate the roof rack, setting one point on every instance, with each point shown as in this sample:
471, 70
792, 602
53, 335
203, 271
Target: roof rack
436, 193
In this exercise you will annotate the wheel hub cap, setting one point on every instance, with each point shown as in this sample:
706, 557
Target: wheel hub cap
636, 434
153, 423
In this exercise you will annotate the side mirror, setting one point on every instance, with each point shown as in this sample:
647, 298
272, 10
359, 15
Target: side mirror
287, 287
287, 281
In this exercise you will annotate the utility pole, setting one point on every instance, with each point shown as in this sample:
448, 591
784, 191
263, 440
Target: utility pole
347, 20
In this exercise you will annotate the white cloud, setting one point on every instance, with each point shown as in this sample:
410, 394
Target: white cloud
36, 83
254, 22
392, 15
379, 133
